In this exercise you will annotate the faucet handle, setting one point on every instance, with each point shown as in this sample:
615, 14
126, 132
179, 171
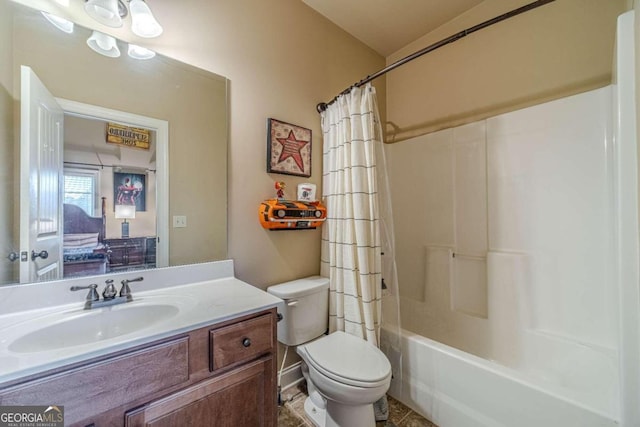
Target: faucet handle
93, 293
110, 291
125, 291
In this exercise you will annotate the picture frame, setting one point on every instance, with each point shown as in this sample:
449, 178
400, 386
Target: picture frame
130, 188
288, 148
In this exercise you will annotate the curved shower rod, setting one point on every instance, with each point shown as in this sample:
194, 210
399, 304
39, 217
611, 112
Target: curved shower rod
457, 36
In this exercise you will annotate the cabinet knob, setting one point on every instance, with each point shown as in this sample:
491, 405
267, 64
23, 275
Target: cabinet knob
246, 342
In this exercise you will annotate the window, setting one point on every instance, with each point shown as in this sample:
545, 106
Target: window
81, 189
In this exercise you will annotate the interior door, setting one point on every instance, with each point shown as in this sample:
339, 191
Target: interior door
41, 156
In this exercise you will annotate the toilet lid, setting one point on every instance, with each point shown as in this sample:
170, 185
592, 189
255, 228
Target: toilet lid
348, 359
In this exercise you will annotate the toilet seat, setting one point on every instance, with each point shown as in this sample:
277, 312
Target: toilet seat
349, 360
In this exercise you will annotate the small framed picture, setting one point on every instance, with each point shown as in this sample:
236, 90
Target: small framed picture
130, 189
288, 149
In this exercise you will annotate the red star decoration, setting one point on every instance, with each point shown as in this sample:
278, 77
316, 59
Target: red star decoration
291, 147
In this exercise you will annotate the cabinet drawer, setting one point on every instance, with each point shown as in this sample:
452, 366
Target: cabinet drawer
241, 342
101, 386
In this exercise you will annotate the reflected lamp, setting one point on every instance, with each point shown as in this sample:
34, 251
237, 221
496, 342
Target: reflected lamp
125, 212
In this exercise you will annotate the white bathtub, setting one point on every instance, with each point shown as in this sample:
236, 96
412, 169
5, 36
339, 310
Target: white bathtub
456, 389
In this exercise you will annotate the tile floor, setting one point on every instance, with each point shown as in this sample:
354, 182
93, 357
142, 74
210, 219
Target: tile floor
291, 414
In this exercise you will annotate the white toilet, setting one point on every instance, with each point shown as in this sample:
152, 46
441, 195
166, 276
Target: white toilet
345, 374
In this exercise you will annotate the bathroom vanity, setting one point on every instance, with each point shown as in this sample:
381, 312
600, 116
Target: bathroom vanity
213, 358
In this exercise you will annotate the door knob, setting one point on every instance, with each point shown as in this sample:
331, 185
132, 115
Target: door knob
41, 254
13, 256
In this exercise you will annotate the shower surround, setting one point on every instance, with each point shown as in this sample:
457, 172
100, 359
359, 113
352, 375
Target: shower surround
512, 284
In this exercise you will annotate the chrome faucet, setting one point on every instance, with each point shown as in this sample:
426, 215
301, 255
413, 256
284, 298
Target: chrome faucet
109, 290
125, 291
109, 294
92, 296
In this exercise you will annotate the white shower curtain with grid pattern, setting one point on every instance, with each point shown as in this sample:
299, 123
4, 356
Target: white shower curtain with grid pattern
351, 246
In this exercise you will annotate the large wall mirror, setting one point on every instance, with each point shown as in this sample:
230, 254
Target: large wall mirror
140, 171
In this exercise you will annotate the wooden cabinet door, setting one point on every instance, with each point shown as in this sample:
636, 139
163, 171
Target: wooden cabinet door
150, 251
135, 250
117, 255
244, 397
126, 252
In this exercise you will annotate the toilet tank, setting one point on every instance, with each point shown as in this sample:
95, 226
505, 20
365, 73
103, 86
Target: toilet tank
306, 309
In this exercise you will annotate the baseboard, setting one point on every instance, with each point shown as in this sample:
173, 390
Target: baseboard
291, 376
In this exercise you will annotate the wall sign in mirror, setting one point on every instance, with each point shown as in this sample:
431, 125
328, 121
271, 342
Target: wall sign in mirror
128, 136
135, 93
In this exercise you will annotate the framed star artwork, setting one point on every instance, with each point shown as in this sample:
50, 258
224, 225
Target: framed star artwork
288, 149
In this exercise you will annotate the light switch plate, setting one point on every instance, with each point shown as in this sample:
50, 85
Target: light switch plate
179, 221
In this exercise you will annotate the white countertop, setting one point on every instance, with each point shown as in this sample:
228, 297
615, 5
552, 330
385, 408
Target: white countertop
199, 304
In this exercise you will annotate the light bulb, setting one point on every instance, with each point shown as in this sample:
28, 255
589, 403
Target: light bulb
139, 52
60, 23
103, 44
104, 11
143, 23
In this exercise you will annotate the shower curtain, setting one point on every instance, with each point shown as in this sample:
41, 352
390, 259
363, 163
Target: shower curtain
351, 236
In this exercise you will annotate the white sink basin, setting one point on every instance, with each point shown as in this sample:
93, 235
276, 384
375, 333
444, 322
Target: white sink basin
80, 327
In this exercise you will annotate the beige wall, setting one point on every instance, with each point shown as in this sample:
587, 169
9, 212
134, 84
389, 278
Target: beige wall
559, 49
282, 59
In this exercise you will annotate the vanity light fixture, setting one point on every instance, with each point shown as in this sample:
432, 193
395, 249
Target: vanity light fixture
60, 23
103, 44
139, 52
111, 13
144, 25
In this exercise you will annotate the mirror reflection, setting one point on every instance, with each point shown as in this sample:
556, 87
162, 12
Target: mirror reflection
122, 170
140, 172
